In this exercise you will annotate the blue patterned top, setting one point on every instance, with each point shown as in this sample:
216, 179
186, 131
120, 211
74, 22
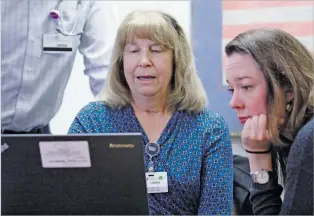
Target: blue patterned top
195, 152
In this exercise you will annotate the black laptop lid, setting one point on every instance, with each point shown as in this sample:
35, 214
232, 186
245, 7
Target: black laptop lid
113, 182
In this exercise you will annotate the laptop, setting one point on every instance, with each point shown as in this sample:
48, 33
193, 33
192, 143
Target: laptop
81, 174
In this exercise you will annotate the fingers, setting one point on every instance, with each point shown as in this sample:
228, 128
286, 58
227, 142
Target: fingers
255, 131
246, 132
262, 120
255, 134
256, 127
262, 127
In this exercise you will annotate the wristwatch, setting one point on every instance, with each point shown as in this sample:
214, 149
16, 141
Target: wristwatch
261, 177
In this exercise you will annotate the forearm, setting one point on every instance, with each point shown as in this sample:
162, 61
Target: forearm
260, 161
265, 198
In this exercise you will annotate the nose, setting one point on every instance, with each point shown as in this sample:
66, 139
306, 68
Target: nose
145, 59
236, 102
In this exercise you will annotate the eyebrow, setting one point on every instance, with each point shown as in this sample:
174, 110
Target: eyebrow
130, 44
153, 44
241, 78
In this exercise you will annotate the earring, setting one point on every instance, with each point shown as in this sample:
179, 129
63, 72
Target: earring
288, 107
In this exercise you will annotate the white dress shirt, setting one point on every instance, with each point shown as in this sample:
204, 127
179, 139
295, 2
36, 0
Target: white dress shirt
33, 82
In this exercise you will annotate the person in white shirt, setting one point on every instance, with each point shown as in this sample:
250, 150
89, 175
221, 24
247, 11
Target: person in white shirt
39, 42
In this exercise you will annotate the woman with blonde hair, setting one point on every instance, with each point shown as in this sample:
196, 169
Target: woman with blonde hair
271, 77
153, 88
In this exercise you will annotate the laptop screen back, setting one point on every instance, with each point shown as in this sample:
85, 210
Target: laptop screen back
73, 174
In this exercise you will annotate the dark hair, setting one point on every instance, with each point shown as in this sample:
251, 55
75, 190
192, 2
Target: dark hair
288, 67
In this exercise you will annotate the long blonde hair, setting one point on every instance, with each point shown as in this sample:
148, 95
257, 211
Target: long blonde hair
187, 92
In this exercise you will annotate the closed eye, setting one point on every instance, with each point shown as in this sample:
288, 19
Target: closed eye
246, 88
156, 50
134, 51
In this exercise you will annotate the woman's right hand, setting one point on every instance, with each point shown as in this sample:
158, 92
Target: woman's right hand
255, 136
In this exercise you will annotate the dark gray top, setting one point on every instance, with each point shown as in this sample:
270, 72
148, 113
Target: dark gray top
299, 182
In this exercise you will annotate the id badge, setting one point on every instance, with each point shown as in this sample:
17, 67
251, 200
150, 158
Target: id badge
57, 43
157, 182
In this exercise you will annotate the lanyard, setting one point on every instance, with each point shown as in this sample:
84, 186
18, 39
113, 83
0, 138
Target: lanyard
79, 2
152, 149
56, 15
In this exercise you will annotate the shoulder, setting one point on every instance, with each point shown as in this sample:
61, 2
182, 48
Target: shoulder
95, 109
307, 130
301, 151
94, 106
211, 120
304, 138
212, 126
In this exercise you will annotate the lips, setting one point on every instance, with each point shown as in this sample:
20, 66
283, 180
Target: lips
243, 119
145, 77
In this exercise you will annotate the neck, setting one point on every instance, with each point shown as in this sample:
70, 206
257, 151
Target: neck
149, 105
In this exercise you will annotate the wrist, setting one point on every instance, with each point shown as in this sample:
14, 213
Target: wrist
262, 176
270, 148
260, 161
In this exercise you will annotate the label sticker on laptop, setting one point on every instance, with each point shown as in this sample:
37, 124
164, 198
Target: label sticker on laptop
64, 154
4, 147
157, 182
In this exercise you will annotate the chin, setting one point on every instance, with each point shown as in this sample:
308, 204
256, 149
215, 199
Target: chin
148, 94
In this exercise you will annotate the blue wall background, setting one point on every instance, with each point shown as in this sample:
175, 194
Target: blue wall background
206, 35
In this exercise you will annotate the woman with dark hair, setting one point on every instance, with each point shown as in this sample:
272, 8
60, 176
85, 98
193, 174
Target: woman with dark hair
270, 76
